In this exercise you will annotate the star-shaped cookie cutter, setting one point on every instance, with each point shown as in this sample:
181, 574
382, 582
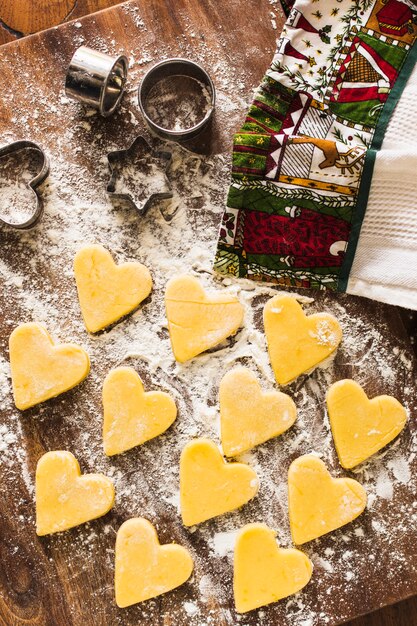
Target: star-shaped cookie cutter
138, 174
17, 148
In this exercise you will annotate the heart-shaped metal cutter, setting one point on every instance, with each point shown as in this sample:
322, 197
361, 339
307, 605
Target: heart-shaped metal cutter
16, 148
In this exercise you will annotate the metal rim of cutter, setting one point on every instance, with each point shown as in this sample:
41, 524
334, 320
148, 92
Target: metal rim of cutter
18, 146
114, 156
97, 79
171, 68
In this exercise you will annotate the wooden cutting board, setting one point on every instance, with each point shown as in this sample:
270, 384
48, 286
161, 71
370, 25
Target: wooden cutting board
21, 18
67, 580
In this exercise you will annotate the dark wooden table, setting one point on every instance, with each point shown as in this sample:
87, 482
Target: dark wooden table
23, 17
30, 592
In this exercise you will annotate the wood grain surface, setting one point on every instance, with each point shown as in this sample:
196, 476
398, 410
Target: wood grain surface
40, 585
23, 17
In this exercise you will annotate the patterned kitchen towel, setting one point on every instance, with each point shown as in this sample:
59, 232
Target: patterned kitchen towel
310, 163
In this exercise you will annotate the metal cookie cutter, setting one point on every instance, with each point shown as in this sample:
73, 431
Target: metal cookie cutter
96, 79
138, 174
177, 98
25, 190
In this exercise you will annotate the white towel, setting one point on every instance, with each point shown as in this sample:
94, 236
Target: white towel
385, 263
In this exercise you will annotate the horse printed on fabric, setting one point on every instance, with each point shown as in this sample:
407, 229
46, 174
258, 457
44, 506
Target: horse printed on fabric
300, 156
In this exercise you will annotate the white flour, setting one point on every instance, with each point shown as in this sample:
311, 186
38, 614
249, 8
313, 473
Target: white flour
38, 284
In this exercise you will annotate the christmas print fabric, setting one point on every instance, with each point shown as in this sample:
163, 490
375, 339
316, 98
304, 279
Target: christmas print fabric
303, 159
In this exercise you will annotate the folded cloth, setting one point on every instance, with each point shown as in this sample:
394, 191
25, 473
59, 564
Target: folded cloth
303, 175
385, 263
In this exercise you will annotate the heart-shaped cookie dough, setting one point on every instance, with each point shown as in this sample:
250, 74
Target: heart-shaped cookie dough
145, 569
264, 572
297, 343
319, 503
132, 416
361, 426
64, 498
250, 416
107, 291
41, 370
209, 486
198, 321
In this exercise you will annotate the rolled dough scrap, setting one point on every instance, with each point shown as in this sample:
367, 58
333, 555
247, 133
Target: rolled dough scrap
297, 343
319, 503
107, 291
64, 498
209, 486
132, 416
250, 416
361, 426
264, 572
198, 321
40, 369
144, 569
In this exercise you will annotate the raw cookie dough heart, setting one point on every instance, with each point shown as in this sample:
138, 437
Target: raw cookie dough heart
209, 486
132, 416
264, 572
297, 343
249, 416
107, 291
198, 321
319, 503
41, 370
145, 569
361, 426
64, 498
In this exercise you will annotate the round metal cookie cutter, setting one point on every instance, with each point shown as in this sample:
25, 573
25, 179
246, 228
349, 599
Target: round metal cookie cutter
177, 68
97, 79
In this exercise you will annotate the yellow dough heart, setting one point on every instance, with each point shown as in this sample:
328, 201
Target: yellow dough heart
209, 486
361, 426
64, 498
40, 369
132, 416
264, 572
319, 503
249, 416
107, 291
297, 343
145, 569
198, 321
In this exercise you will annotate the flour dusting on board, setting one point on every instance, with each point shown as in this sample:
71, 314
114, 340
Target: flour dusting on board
179, 236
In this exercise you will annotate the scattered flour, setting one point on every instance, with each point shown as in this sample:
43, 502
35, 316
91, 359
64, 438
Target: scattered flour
223, 543
175, 237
